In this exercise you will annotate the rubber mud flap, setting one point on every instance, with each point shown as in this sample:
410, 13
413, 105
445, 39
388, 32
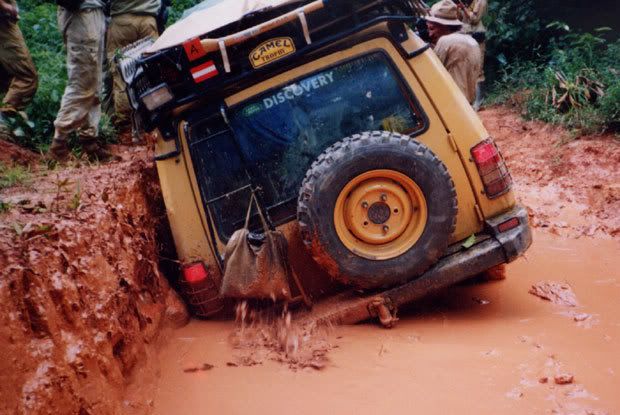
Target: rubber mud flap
351, 158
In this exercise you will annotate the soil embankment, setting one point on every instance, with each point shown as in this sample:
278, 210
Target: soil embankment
572, 187
82, 298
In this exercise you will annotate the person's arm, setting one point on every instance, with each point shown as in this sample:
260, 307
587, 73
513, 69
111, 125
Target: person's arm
480, 9
9, 10
462, 12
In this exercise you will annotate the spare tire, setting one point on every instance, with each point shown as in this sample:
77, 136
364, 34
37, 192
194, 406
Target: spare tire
377, 209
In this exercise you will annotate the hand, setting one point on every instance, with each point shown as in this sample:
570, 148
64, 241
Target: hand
9, 10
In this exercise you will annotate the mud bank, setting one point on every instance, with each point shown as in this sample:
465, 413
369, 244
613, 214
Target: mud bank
82, 298
572, 188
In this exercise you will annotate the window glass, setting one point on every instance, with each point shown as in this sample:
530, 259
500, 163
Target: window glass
283, 131
280, 133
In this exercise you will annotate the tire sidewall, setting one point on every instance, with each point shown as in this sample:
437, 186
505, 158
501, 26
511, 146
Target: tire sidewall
410, 158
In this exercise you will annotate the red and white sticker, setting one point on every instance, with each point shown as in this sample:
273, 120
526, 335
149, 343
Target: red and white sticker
193, 49
205, 71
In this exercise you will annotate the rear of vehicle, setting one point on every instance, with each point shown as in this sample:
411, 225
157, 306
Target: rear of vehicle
359, 146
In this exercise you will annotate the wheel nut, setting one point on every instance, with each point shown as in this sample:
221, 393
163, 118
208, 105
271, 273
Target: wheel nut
383, 197
386, 229
365, 205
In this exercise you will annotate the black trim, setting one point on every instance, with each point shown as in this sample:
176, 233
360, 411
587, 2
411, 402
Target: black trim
419, 51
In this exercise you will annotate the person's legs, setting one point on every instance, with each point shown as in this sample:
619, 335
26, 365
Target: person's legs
16, 63
80, 107
125, 30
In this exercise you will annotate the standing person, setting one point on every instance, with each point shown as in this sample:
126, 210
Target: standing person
471, 13
459, 53
83, 30
18, 75
132, 20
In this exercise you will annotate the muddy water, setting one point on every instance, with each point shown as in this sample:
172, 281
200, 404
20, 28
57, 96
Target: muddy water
486, 348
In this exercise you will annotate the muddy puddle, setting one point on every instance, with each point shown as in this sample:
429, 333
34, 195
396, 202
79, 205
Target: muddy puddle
489, 348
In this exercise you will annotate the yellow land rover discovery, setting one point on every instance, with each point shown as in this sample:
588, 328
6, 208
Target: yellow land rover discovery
356, 141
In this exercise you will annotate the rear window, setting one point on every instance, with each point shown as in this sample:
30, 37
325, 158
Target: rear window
281, 132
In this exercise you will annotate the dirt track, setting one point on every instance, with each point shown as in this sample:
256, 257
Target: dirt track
477, 348
473, 349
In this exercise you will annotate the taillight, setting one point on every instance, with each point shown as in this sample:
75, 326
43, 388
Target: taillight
492, 168
201, 290
195, 273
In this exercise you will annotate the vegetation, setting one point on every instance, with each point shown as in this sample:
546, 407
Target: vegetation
13, 176
554, 74
526, 55
39, 26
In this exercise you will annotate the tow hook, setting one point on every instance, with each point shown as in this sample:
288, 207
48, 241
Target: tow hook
382, 308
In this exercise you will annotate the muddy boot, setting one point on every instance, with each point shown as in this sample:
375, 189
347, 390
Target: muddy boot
97, 152
59, 150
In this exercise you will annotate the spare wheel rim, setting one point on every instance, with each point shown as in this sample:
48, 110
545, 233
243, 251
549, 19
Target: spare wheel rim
380, 214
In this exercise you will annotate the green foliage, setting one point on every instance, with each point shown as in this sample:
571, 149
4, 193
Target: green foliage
5, 207
13, 176
39, 26
576, 84
178, 7
514, 33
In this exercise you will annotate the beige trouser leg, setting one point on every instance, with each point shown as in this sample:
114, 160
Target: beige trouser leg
16, 67
124, 30
80, 109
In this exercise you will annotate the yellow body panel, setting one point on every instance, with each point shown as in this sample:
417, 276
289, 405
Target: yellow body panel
459, 118
453, 129
184, 208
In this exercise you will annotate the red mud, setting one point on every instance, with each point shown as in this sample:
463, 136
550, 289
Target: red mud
572, 189
557, 293
451, 353
82, 302
81, 295
259, 337
14, 154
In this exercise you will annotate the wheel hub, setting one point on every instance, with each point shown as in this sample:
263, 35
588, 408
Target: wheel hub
380, 214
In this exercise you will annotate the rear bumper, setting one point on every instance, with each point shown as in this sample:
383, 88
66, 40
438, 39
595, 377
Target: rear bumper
494, 249
500, 248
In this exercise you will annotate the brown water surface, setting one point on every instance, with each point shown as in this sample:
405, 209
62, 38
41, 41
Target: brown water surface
485, 348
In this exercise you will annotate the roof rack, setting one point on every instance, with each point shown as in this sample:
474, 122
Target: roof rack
219, 61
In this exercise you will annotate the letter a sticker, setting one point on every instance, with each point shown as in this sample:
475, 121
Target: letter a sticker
194, 49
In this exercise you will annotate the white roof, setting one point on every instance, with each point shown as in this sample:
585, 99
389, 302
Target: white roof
211, 18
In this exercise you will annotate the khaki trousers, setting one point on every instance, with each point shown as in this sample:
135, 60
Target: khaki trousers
124, 30
18, 75
80, 108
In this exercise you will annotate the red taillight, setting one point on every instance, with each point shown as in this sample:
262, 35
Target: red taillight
201, 290
492, 168
508, 225
195, 273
